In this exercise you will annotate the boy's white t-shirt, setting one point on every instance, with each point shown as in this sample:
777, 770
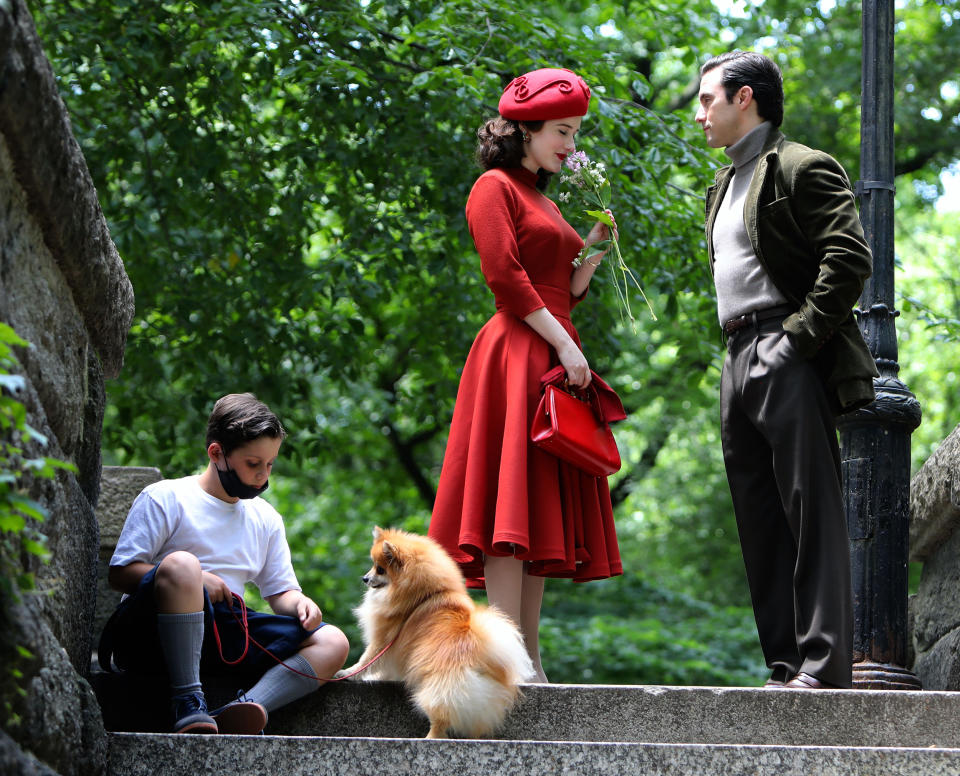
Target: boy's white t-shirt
240, 543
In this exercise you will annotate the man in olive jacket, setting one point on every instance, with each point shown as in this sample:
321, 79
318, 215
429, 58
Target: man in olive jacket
789, 261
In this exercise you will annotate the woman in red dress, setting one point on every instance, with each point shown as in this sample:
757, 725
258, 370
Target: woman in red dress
507, 512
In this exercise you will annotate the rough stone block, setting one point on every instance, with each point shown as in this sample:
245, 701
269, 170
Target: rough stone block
57, 716
147, 755
936, 606
938, 668
63, 288
935, 499
49, 165
36, 301
119, 486
65, 585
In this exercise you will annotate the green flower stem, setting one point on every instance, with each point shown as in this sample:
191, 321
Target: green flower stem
622, 274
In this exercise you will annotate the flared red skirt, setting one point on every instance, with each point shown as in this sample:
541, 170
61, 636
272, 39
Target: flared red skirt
499, 495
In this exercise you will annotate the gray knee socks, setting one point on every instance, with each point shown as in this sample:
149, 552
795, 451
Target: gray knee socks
181, 638
279, 686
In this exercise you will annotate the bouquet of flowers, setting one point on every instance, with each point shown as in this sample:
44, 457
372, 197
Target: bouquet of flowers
590, 179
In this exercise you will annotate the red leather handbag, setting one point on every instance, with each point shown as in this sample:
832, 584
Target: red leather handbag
571, 425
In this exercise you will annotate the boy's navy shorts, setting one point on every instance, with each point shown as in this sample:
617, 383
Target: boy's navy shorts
130, 636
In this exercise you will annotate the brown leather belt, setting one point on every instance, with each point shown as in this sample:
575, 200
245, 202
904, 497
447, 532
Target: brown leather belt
752, 319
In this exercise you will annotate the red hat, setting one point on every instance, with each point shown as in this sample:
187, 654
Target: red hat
541, 95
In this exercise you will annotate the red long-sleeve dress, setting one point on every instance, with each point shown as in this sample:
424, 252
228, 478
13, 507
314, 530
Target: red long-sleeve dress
498, 494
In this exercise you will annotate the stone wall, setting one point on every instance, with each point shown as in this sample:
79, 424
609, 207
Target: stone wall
119, 486
935, 541
63, 288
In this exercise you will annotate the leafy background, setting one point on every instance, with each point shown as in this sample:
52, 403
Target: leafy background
285, 182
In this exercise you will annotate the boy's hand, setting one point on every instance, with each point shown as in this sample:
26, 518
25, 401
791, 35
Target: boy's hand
217, 589
309, 614
293, 603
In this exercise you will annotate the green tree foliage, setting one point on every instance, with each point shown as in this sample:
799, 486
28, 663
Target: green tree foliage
287, 191
818, 46
631, 631
929, 328
286, 181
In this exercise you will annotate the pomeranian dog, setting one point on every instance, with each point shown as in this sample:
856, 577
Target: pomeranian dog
461, 662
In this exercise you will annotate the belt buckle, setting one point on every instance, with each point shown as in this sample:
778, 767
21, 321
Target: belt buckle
735, 324
742, 321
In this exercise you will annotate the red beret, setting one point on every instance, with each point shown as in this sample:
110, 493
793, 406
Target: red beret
541, 95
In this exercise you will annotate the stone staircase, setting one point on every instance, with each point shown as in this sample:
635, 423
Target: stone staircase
358, 728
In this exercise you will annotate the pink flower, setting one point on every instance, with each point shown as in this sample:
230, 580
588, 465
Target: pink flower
576, 160
590, 179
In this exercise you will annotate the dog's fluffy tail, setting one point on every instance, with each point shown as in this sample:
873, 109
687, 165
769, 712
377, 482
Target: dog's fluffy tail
474, 699
507, 644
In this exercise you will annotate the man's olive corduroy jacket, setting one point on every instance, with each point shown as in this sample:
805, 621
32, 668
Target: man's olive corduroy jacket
804, 226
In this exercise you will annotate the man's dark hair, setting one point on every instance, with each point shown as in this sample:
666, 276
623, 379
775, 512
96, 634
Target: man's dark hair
747, 68
239, 418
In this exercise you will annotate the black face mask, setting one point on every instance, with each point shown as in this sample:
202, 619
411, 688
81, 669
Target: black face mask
235, 487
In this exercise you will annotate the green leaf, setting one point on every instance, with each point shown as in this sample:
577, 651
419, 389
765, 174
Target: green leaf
28, 507
11, 522
601, 216
36, 548
9, 337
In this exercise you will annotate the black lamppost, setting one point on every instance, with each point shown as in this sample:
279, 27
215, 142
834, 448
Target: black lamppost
875, 441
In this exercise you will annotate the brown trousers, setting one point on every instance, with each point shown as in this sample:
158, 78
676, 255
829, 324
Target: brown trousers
782, 459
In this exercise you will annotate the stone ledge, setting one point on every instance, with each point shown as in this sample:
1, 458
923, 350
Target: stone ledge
651, 714
119, 486
935, 499
936, 604
151, 755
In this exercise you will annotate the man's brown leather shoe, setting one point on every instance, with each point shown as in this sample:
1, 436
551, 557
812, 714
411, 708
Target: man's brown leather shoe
804, 681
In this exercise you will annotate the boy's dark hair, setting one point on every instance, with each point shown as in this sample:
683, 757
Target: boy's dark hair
747, 68
238, 418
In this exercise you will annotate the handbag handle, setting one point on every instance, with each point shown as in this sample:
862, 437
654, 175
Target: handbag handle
608, 406
592, 396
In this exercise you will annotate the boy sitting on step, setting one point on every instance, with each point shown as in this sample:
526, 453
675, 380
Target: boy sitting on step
186, 550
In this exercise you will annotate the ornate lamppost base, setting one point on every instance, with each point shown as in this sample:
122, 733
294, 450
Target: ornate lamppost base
868, 675
875, 446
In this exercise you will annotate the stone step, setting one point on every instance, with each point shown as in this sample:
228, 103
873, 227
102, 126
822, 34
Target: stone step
655, 714
144, 754
598, 713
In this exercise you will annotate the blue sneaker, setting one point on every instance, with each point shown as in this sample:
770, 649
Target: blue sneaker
190, 714
240, 717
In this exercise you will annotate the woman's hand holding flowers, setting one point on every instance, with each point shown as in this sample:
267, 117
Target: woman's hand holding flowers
590, 179
600, 233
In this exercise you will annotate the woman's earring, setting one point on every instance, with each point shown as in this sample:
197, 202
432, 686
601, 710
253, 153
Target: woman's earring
526, 137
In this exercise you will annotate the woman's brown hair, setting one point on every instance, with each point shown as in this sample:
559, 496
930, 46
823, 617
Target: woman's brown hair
501, 145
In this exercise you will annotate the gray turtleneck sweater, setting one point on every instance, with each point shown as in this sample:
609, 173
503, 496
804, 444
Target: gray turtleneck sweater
742, 283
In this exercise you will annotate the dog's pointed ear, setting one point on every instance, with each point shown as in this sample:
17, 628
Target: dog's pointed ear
391, 555
377, 533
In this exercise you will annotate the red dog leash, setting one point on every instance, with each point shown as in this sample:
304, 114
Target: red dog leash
248, 639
